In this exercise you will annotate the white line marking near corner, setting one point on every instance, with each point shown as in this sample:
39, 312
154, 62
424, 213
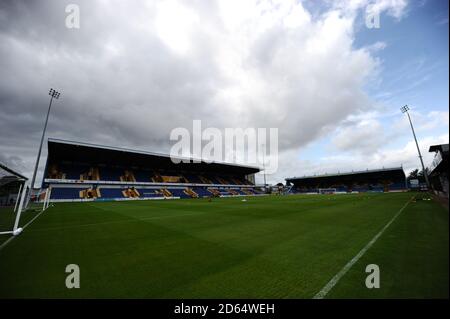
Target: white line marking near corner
34, 218
6, 242
326, 289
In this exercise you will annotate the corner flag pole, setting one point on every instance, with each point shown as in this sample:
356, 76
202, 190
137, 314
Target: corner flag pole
53, 94
264, 166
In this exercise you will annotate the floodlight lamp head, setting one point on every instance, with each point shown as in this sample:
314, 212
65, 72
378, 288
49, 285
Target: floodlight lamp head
54, 94
404, 109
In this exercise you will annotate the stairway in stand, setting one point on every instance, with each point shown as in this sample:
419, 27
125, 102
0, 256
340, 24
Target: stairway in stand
165, 192
190, 192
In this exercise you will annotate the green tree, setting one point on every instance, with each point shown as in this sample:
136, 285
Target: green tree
416, 174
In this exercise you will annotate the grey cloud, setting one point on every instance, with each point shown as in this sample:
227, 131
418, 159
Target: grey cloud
123, 85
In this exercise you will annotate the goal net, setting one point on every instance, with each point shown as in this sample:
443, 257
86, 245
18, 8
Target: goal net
13, 189
327, 190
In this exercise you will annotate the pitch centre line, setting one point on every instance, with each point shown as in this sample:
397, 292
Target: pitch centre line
326, 289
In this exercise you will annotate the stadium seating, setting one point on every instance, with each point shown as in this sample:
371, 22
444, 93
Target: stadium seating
202, 192
66, 193
355, 188
111, 193
103, 173
108, 192
165, 192
192, 178
221, 180
178, 192
224, 192
205, 180
55, 173
141, 176
127, 176
397, 186
108, 173
92, 174
72, 171
248, 191
241, 192
130, 193
88, 193
214, 192
149, 193
190, 193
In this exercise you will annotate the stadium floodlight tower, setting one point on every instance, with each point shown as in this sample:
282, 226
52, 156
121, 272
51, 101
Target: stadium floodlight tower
405, 109
53, 95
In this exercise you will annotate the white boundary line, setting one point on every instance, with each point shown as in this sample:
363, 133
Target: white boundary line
6, 242
326, 289
33, 219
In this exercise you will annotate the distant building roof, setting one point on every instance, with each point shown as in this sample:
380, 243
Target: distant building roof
439, 147
11, 173
87, 152
348, 173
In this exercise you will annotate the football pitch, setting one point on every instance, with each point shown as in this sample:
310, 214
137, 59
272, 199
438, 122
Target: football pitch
264, 247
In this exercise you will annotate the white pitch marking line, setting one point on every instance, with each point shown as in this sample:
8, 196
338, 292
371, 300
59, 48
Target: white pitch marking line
34, 218
326, 289
6, 242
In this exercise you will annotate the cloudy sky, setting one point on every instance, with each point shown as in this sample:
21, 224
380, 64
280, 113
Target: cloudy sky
135, 70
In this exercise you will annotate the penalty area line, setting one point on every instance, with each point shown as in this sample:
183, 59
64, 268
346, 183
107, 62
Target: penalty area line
326, 289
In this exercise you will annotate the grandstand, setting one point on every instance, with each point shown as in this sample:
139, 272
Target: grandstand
378, 180
84, 172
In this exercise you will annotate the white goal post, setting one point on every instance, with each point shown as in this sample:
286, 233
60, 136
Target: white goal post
14, 188
18, 210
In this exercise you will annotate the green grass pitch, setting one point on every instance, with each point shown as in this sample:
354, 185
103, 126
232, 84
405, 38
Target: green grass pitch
265, 247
